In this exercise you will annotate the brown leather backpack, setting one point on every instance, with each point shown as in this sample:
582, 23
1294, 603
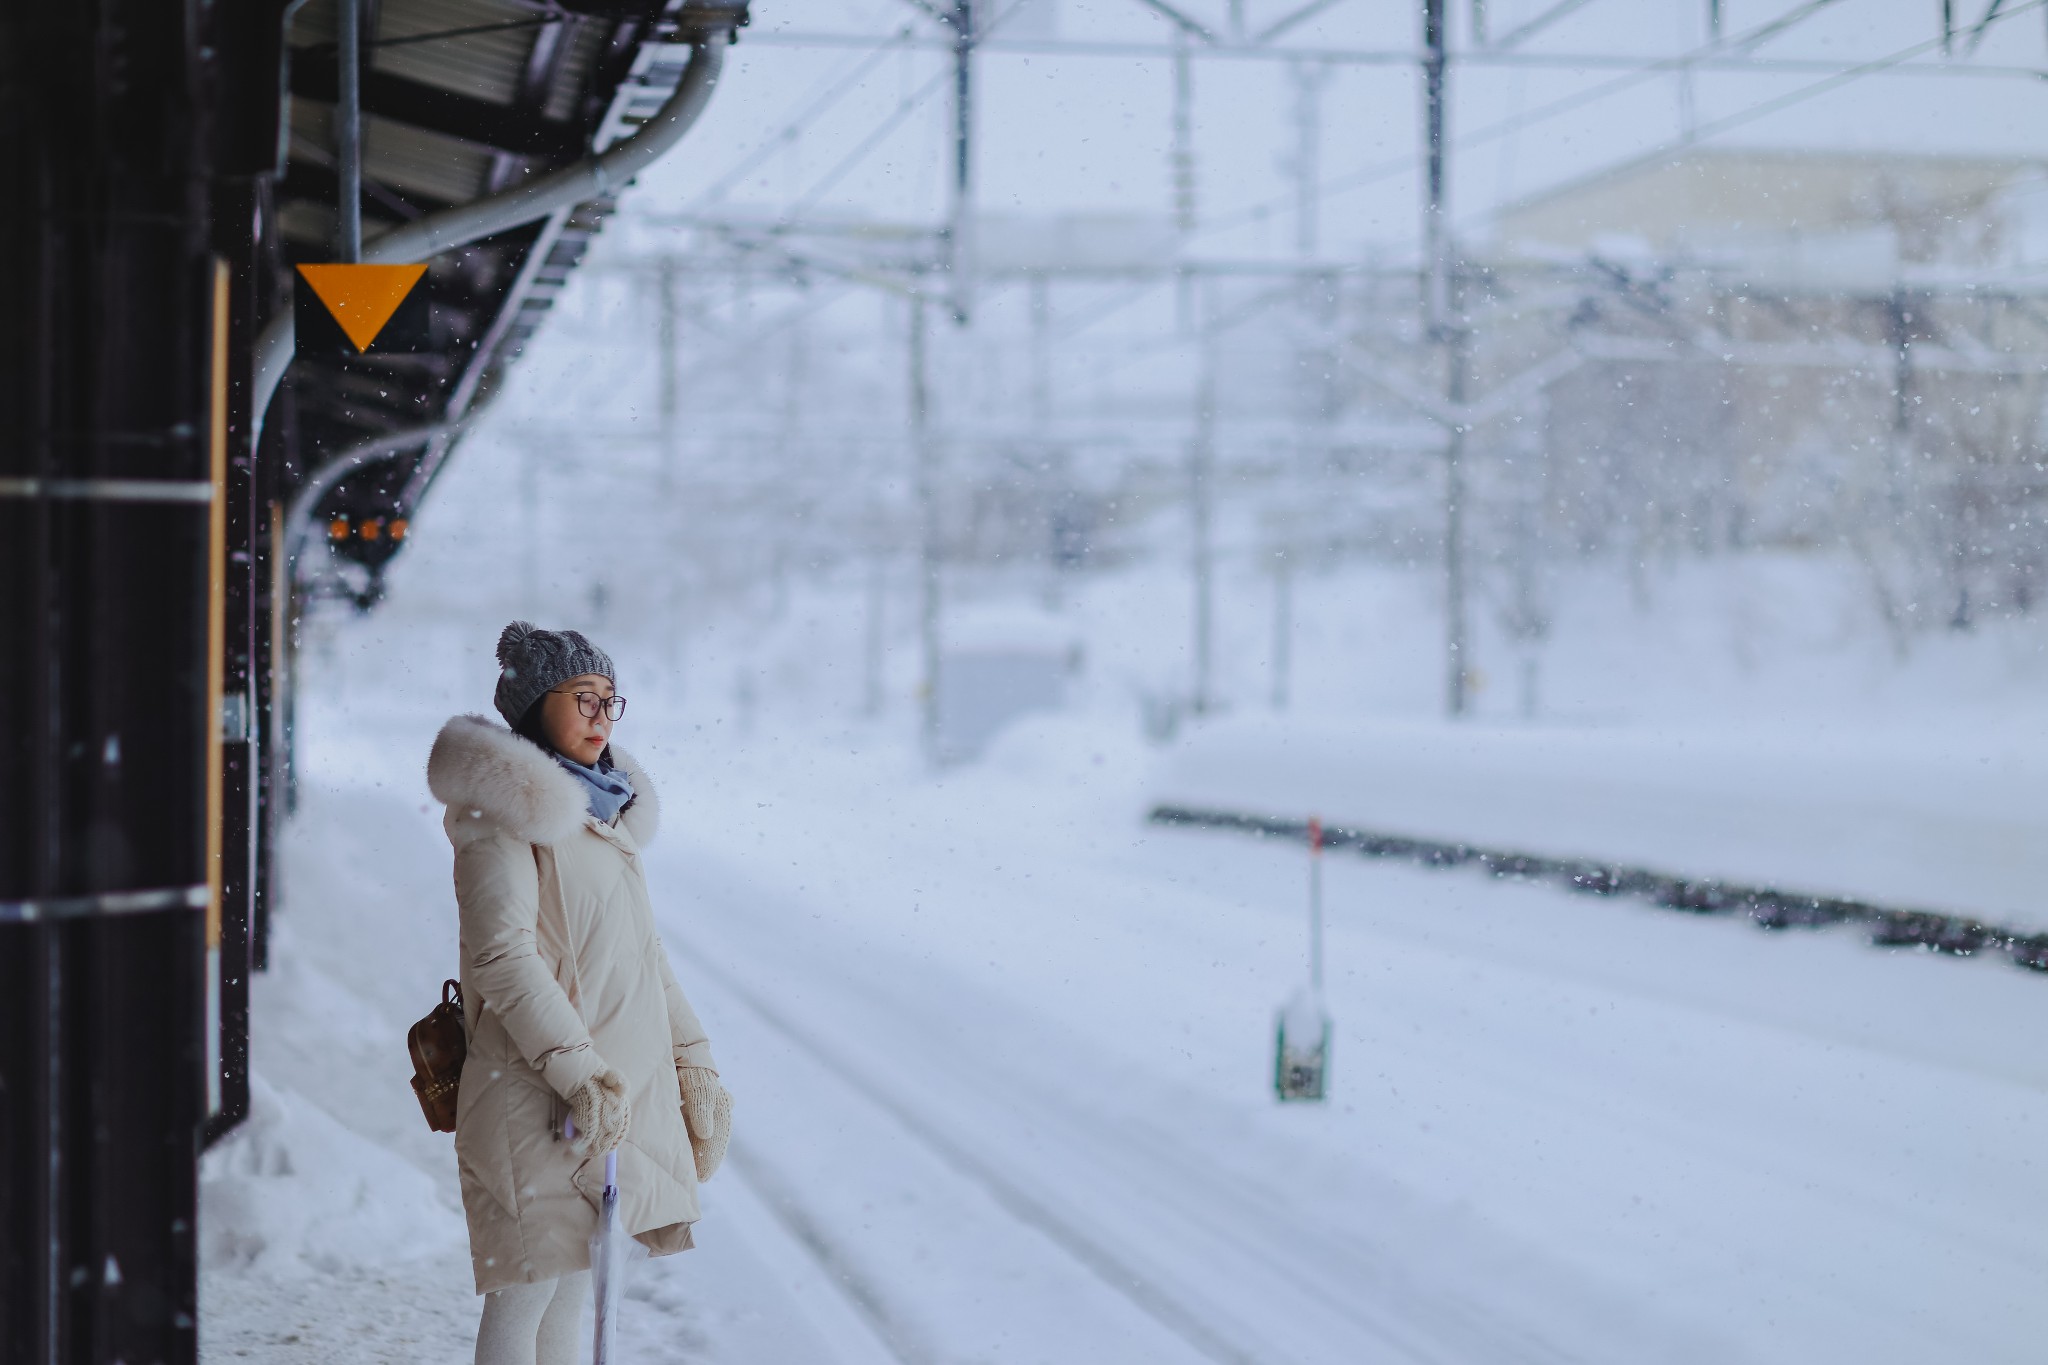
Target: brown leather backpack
439, 1043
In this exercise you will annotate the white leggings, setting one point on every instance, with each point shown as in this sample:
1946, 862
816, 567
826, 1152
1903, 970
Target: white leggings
533, 1324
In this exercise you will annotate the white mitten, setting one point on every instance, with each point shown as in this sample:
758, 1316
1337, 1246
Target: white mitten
707, 1113
599, 1109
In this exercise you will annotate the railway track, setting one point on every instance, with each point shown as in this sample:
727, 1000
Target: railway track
1110, 1190
1128, 1281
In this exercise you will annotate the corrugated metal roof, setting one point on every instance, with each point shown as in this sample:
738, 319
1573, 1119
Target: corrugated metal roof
400, 156
575, 68
409, 158
485, 66
489, 297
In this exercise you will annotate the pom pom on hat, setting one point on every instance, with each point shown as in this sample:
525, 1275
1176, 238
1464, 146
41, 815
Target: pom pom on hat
510, 641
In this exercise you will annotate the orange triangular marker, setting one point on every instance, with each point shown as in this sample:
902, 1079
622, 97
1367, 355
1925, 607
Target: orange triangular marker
362, 297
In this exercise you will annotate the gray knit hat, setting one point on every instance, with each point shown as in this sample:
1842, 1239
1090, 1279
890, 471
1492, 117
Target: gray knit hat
533, 661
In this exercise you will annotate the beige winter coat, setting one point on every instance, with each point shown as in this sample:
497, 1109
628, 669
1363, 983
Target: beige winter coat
562, 976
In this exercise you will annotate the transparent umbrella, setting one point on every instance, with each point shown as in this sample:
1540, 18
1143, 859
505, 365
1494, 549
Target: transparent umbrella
607, 1263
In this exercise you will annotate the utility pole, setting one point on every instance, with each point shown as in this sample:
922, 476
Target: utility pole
960, 242
1041, 351
1201, 509
668, 401
1898, 323
1183, 154
1309, 79
1283, 624
348, 127
928, 526
1314, 354
874, 647
1447, 332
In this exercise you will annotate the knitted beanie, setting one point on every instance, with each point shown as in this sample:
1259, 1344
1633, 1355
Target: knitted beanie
533, 661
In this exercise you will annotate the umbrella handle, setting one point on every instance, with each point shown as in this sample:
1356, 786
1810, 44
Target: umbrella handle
611, 1170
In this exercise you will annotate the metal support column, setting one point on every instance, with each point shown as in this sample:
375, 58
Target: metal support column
1201, 513
348, 126
928, 529
960, 218
1446, 330
668, 399
244, 620
111, 474
1183, 155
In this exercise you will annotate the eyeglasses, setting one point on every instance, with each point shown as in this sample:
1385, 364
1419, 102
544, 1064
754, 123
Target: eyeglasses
590, 704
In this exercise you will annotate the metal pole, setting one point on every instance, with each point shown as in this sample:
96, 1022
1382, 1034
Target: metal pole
928, 522
1183, 135
1457, 671
1201, 497
1309, 79
1436, 246
876, 642
668, 399
961, 219
1041, 350
1283, 627
348, 126
1447, 332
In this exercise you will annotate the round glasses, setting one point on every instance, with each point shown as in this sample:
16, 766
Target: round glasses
590, 704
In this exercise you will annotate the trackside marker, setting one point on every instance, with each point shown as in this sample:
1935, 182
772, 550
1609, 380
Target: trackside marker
362, 298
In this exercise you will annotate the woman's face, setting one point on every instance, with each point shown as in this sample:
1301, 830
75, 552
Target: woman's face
571, 733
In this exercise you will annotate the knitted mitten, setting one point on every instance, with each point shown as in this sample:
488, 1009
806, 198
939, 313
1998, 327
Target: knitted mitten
707, 1113
599, 1109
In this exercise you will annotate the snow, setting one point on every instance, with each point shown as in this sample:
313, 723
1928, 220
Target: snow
1002, 1051
1943, 822
292, 1193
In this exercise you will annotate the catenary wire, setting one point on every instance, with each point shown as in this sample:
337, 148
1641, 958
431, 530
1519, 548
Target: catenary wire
792, 129
1564, 105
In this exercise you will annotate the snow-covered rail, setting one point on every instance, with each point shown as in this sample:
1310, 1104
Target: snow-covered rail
1106, 1265
1152, 1223
1768, 907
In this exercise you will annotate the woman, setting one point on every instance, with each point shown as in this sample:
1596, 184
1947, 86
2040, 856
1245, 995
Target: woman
572, 1010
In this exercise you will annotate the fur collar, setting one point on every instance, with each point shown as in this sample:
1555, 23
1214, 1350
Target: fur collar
484, 772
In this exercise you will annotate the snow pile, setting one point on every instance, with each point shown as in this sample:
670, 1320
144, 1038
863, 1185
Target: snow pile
1951, 822
293, 1193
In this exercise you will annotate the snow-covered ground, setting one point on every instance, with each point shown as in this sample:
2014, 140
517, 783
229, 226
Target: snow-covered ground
1002, 1050
1946, 821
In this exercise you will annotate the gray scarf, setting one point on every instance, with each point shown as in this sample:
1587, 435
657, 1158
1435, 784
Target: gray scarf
606, 786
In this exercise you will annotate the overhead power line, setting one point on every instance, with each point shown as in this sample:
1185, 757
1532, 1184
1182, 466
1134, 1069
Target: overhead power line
793, 129
1542, 21
1394, 166
904, 108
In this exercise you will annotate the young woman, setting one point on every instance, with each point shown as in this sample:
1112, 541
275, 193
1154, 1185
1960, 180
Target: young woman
572, 1010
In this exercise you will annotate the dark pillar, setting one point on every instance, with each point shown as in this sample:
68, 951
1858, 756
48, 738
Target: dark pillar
112, 493
243, 618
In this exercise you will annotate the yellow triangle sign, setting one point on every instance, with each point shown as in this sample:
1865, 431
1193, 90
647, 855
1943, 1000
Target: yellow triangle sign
362, 298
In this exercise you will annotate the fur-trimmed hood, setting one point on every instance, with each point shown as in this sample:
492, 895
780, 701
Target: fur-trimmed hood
481, 770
